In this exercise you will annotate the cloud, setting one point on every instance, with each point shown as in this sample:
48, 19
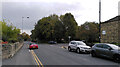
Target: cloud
14, 11
83, 10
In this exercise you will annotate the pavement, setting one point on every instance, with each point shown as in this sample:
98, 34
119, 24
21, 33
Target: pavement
22, 57
48, 55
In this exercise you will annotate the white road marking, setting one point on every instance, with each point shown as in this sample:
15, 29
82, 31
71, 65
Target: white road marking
29, 50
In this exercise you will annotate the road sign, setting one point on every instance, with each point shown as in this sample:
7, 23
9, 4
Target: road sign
103, 32
69, 37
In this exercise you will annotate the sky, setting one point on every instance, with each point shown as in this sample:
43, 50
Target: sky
83, 10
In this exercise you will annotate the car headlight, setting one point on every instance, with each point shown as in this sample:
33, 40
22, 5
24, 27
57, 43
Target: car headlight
118, 52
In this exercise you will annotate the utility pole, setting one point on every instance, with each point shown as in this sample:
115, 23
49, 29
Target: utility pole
99, 21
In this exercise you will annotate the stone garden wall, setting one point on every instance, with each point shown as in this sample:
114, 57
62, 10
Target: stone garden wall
8, 50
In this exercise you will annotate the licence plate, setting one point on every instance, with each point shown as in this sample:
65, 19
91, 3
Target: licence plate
88, 50
33, 46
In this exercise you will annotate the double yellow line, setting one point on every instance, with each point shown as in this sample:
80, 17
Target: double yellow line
64, 47
36, 59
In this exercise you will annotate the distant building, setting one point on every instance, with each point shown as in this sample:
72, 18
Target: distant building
110, 30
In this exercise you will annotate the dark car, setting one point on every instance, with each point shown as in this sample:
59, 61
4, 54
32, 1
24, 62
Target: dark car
52, 42
88, 43
106, 50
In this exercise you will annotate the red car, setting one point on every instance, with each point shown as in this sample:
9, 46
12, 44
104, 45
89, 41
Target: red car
33, 46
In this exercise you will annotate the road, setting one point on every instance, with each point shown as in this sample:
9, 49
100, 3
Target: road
55, 55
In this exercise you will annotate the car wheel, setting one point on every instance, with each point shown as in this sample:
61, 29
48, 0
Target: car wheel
69, 48
78, 50
117, 58
93, 54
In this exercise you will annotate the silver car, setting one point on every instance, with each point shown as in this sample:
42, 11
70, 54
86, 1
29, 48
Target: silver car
79, 47
106, 50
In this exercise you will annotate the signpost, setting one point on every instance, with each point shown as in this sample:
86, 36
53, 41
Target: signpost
69, 38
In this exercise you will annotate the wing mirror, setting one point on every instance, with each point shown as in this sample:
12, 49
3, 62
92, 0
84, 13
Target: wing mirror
109, 48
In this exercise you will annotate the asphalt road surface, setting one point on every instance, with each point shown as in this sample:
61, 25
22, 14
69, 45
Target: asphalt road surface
54, 55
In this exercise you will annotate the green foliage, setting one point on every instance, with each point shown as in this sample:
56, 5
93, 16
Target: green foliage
70, 25
58, 29
55, 28
9, 33
89, 31
25, 36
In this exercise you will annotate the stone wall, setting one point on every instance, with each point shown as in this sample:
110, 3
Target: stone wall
111, 34
119, 32
8, 50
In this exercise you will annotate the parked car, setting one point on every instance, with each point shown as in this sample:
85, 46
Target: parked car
79, 47
106, 50
33, 46
52, 42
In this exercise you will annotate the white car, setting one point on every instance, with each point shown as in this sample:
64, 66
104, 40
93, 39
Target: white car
79, 47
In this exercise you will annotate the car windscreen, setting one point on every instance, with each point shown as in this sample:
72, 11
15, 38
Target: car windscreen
115, 47
81, 43
32, 43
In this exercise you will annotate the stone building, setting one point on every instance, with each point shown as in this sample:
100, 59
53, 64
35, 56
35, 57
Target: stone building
110, 30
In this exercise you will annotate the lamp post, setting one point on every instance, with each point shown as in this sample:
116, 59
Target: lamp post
22, 23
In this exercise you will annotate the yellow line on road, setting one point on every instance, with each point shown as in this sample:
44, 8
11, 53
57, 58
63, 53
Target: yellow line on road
35, 59
38, 61
64, 47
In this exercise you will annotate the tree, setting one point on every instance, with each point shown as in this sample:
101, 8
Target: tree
44, 29
9, 32
25, 36
55, 28
58, 28
59, 33
70, 25
89, 31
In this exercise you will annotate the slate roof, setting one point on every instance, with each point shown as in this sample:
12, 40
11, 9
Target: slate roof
117, 18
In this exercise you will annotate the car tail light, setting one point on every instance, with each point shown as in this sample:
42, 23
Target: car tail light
36, 46
30, 46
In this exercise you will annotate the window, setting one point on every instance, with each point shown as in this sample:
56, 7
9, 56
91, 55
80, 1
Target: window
73, 43
114, 46
81, 43
99, 45
106, 46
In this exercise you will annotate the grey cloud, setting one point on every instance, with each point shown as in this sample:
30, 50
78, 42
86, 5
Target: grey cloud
14, 11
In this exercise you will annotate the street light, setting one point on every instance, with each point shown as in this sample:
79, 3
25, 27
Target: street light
22, 23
